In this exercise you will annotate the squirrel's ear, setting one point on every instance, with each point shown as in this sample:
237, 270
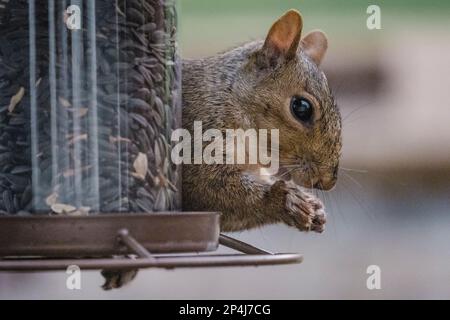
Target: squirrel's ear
284, 36
315, 45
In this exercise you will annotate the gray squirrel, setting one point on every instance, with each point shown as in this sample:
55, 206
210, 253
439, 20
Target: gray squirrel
271, 84
268, 84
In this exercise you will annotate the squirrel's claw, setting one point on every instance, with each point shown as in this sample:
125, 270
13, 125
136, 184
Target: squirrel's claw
302, 210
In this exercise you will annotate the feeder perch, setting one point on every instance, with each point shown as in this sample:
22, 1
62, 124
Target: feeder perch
43, 243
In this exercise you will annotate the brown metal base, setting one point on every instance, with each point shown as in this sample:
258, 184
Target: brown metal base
207, 237
96, 235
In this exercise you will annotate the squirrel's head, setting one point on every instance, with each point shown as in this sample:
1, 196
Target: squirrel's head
283, 87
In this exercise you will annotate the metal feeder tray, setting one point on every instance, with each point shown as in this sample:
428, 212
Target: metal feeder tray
43, 243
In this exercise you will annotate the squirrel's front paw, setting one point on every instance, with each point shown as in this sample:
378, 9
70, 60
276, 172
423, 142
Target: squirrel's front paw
302, 210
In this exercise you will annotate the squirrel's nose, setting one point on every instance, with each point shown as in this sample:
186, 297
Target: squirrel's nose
328, 184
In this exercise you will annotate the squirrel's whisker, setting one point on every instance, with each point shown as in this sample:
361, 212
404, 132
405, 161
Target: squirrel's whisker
291, 166
286, 173
354, 170
347, 116
354, 180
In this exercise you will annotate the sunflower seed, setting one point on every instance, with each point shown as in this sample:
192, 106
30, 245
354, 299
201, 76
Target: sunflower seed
8, 201
60, 208
140, 166
15, 100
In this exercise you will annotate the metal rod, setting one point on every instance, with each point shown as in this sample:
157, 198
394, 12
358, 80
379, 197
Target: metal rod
134, 245
35, 176
171, 262
93, 106
53, 104
240, 246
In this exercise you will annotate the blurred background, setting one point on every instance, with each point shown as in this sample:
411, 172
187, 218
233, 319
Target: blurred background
391, 204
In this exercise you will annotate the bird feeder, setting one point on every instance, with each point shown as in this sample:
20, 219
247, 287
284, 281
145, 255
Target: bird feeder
90, 92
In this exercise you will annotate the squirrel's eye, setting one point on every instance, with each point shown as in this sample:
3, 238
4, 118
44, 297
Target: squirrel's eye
301, 108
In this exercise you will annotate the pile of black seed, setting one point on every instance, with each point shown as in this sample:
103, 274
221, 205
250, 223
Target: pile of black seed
86, 115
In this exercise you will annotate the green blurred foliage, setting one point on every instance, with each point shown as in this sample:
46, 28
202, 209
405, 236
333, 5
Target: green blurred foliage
208, 26
241, 6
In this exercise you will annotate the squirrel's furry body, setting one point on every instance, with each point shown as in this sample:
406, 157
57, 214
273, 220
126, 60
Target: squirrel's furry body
245, 88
